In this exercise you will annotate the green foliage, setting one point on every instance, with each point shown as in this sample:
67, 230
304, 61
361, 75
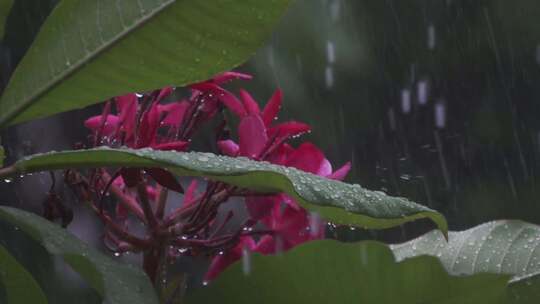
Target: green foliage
90, 50
333, 272
19, 286
5, 8
335, 201
2, 156
115, 282
508, 247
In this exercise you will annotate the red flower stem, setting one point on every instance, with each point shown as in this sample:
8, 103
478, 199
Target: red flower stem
161, 201
124, 199
119, 231
146, 207
181, 213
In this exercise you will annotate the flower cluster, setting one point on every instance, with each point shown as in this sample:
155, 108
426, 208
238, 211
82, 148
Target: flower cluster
275, 222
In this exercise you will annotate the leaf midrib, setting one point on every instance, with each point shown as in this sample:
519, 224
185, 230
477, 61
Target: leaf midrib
76, 66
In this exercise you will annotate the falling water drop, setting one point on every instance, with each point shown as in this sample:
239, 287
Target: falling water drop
246, 261
329, 77
440, 115
422, 91
330, 51
314, 223
431, 37
406, 101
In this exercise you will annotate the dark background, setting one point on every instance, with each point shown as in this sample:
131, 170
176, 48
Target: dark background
480, 61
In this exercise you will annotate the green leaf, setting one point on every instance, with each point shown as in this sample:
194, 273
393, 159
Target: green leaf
5, 8
335, 201
332, 272
2, 156
115, 282
505, 246
19, 285
91, 50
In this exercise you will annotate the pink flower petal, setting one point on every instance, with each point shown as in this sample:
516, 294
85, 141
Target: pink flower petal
340, 173
220, 262
226, 97
228, 76
280, 154
307, 158
228, 147
127, 107
189, 194
325, 168
260, 206
148, 127
166, 91
111, 123
151, 192
172, 146
252, 136
266, 245
271, 109
289, 129
250, 104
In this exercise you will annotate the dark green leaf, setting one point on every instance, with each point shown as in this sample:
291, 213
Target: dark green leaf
506, 246
18, 283
333, 272
355, 205
5, 8
117, 283
91, 50
2, 156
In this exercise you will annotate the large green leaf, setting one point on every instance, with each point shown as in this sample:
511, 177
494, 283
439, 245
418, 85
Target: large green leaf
116, 283
91, 50
334, 200
5, 8
506, 246
333, 272
19, 285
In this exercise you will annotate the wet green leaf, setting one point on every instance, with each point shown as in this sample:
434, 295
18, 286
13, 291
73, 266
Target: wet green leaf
506, 246
91, 50
18, 283
335, 201
115, 282
332, 272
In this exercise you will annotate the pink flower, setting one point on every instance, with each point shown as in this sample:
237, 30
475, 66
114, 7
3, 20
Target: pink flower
222, 261
291, 227
306, 157
123, 127
256, 134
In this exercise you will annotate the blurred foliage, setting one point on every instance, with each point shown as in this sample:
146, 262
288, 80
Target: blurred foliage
483, 69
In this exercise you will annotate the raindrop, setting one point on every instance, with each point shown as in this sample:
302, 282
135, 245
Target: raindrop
329, 77
403, 177
440, 115
334, 10
202, 158
314, 223
117, 254
330, 51
246, 261
406, 101
8, 180
422, 91
431, 37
